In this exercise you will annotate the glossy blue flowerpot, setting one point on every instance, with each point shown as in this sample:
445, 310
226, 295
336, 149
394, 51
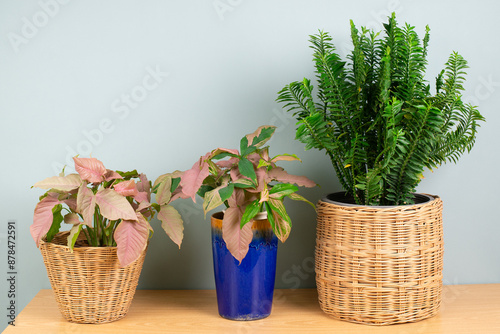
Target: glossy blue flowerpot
245, 291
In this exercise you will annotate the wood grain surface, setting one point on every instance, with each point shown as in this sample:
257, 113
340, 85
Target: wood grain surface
465, 309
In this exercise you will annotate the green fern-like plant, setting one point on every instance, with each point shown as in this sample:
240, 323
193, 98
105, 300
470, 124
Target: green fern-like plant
374, 115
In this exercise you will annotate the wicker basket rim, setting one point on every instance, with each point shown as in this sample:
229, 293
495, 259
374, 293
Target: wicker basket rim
424, 199
76, 248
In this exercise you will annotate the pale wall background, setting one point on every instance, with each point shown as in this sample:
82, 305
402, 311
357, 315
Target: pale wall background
66, 68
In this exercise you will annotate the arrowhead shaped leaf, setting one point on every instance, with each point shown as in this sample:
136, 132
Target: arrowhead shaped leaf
237, 239
73, 236
63, 183
246, 169
43, 217
126, 188
114, 206
171, 222
250, 212
56, 222
297, 197
279, 225
281, 190
90, 169
85, 204
260, 136
131, 238
72, 218
112, 175
217, 196
285, 157
163, 193
191, 180
280, 175
144, 186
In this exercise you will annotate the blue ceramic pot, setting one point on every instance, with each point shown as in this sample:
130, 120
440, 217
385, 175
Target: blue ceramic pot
245, 291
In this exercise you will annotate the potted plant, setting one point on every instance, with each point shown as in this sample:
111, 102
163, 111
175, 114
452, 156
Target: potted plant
244, 236
379, 245
95, 266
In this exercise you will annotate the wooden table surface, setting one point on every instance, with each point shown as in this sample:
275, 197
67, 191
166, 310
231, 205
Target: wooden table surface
467, 309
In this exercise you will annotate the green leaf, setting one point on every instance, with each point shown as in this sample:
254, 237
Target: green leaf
217, 197
73, 235
243, 145
249, 150
278, 207
246, 169
297, 197
128, 175
285, 188
261, 135
175, 184
223, 155
263, 163
243, 183
204, 189
56, 222
250, 212
270, 216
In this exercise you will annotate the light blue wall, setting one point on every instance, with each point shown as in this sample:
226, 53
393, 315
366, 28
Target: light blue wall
64, 77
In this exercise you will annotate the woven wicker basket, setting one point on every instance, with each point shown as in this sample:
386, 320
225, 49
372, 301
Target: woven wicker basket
88, 284
379, 265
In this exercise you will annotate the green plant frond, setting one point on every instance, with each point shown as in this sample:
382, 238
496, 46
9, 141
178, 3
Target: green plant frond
374, 114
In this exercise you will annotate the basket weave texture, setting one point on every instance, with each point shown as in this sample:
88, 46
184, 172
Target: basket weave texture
88, 284
380, 265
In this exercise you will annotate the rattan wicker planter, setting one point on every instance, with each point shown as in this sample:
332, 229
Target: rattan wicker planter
88, 284
379, 265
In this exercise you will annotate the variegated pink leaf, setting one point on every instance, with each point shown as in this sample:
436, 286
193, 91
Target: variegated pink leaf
72, 218
227, 163
63, 183
85, 204
143, 205
131, 238
285, 157
90, 169
114, 206
237, 199
163, 193
261, 135
71, 203
280, 175
112, 175
126, 188
254, 158
192, 179
144, 186
281, 227
42, 219
220, 150
171, 222
141, 197
261, 180
237, 239
163, 177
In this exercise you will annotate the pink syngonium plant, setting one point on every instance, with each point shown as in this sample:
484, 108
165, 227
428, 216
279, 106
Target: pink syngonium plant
247, 182
111, 208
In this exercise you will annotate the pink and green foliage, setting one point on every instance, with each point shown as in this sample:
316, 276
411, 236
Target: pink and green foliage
247, 182
111, 208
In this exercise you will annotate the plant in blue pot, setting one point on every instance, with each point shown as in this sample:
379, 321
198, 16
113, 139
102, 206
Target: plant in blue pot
245, 235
